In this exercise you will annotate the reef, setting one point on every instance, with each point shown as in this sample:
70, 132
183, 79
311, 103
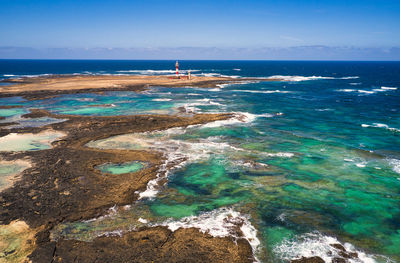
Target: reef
63, 185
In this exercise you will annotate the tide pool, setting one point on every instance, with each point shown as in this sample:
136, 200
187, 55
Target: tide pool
9, 169
15, 142
122, 168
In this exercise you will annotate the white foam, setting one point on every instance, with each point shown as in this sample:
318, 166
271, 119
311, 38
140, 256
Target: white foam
222, 85
388, 88
216, 75
281, 217
215, 89
355, 83
373, 91
190, 107
395, 163
326, 109
237, 69
112, 211
384, 89
263, 91
297, 78
361, 165
238, 117
347, 90
85, 99
380, 125
366, 91
350, 77
279, 154
221, 222
9, 75
161, 99
316, 244
303, 78
142, 220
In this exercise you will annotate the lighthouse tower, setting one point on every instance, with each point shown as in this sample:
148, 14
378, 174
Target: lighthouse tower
177, 68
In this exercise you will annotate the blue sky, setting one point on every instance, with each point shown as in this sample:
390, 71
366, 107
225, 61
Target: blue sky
46, 27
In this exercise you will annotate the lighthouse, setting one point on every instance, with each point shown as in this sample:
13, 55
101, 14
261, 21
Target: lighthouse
177, 68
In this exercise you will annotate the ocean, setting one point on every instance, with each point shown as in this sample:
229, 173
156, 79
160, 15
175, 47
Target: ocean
312, 160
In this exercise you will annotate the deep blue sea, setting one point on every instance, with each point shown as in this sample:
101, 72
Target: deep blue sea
309, 161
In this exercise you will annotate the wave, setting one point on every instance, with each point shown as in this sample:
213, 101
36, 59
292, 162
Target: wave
263, 91
216, 75
222, 85
237, 83
355, 83
395, 163
221, 222
279, 154
380, 125
238, 118
191, 106
373, 91
383, 89
304, 78
161, 99
85, 99
346, 90
326, 109
351, 77
388, 88
215, 89
366, 91
326, 247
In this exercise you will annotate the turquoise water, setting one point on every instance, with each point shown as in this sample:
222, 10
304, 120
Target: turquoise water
122, 168
311, 161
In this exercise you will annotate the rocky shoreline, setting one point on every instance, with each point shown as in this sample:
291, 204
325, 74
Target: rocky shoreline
63, 186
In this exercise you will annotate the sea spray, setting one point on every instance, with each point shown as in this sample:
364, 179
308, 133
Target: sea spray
221, 222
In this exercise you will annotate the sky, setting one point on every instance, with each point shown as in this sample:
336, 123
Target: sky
220, 29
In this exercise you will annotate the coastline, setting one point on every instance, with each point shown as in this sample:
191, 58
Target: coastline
62, 185
47, 86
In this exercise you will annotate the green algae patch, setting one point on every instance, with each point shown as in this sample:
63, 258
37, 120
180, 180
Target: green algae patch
15, 142
122, 168
17, 242
9, 170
